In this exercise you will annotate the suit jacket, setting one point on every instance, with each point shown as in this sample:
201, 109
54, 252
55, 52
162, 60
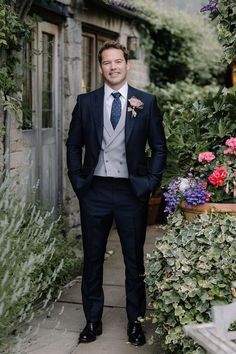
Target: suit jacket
86, 130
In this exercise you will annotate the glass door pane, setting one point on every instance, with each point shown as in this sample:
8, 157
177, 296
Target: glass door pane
88, 55
47, 79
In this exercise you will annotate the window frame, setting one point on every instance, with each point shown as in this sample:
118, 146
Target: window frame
97, 34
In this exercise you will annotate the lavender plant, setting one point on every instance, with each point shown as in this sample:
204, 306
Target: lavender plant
33, 259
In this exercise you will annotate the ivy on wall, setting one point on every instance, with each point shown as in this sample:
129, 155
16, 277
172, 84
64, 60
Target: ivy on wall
13, 29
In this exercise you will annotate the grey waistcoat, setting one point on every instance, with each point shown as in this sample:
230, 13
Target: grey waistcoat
112, 157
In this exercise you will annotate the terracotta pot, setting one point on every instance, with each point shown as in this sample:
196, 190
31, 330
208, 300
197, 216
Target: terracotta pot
153, 209
191, 212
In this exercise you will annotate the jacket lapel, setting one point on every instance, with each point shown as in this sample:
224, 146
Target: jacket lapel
130, 121
97, 107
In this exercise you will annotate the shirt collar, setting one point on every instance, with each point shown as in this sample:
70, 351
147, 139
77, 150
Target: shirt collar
123, 90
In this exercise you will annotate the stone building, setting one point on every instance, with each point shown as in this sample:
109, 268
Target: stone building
66, 39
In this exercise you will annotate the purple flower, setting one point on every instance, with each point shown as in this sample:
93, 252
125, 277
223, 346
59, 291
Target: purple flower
212, 7
172, 196
194, 193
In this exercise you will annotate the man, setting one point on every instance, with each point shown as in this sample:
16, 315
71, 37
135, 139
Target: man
112, 181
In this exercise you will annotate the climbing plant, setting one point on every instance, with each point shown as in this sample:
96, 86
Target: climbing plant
223, 14
13, 29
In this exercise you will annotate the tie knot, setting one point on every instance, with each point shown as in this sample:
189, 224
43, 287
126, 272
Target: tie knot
116, 95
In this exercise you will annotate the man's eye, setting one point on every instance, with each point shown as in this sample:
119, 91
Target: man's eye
119, 61
106, 63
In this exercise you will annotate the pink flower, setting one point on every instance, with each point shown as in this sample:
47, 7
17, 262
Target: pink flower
206, 156
217, 178
135, 103
231, 142
230, 151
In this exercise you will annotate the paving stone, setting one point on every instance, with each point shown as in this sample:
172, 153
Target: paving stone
52, 342
114, 295
58, 333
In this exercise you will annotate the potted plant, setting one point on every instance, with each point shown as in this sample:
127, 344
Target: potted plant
155, 204
156, 200
211, 180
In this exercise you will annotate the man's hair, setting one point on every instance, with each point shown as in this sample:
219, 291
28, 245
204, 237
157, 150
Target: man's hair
115, 45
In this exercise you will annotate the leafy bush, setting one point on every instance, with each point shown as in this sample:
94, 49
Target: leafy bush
196, 125
223, 13
190, 269
178, 43
35, 259
173, 95
181, 48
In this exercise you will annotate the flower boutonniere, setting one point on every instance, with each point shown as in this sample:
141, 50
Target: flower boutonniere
135, 103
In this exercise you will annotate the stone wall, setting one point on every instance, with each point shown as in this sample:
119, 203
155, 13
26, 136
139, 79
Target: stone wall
72, 84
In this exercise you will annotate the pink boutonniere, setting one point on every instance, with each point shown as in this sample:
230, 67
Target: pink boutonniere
135, 103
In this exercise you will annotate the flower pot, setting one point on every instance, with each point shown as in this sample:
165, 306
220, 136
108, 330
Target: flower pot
191, 212
153, 209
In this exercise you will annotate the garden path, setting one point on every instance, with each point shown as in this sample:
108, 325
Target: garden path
58, 333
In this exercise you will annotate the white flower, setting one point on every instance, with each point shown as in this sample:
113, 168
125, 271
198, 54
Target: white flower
184, 184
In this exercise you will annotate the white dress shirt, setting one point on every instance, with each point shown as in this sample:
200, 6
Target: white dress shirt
109, 98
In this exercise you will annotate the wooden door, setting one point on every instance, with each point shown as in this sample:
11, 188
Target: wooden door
41, 133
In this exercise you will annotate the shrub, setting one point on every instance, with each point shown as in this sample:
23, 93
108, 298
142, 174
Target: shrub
35, 260
195, 126
190, 269
177, 42
181, 48
172, 96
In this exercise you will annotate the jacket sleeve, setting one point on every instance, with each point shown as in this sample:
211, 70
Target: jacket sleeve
74, 145
157, 143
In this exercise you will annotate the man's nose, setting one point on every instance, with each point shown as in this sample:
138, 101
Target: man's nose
113, 65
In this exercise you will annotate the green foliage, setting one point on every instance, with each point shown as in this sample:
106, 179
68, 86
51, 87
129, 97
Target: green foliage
12, 32
35, 259
190, 269
181, 48
227, 28
173, 96
195, 119
179, 44
225, 20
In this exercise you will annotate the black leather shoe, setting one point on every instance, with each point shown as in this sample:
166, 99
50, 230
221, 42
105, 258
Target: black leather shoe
135, 334
90, 332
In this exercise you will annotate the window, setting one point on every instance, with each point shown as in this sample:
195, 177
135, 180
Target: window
47, 68
27, 86
92, 42
38, 62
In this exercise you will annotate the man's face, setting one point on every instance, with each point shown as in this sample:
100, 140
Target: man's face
114, 68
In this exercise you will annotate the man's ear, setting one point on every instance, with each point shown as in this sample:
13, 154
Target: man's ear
128, 65
100, 69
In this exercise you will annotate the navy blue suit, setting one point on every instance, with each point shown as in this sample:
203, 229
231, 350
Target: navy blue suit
105, 199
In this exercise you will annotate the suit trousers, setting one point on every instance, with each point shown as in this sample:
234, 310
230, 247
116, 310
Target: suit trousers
110, 199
